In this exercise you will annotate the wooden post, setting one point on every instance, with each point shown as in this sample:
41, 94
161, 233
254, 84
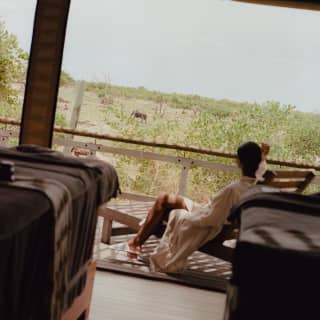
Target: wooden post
76, 110
39, 105
183, 180
77, 105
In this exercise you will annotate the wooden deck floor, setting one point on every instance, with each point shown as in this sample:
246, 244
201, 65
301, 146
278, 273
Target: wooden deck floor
120, 297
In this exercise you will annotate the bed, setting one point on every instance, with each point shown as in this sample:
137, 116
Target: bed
47, 226
276, 261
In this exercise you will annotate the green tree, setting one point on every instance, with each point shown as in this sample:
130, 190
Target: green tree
12, 65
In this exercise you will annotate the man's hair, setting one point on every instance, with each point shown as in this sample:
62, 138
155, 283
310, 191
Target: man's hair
249, 155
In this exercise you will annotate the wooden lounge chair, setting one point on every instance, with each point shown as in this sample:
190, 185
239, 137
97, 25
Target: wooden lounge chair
125, 218
289, 180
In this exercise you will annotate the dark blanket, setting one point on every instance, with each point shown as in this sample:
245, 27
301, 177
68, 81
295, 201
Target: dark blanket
277, 258
35, 229
282, 220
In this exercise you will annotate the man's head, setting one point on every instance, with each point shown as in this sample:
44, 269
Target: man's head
249, 158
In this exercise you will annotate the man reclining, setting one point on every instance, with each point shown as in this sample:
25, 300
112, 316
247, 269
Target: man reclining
186, 226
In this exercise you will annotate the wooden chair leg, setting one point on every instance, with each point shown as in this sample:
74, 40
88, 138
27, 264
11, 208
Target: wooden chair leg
218, 250
215, 246
106, 230
79, 310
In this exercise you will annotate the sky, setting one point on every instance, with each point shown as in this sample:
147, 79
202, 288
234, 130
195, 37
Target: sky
214, 48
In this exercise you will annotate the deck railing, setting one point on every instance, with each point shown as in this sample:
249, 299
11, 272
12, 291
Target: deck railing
184, 162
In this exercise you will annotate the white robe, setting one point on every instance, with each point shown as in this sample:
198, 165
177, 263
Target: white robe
187, 231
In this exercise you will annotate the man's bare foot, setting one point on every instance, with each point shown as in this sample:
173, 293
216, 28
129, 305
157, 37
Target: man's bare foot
133, 246
134, 249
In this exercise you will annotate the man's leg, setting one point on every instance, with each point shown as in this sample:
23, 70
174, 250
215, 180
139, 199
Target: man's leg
158, 213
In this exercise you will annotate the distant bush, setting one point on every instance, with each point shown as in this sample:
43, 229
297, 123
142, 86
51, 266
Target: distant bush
66, 79
204, 123
292, 135
221, 108
60, 120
